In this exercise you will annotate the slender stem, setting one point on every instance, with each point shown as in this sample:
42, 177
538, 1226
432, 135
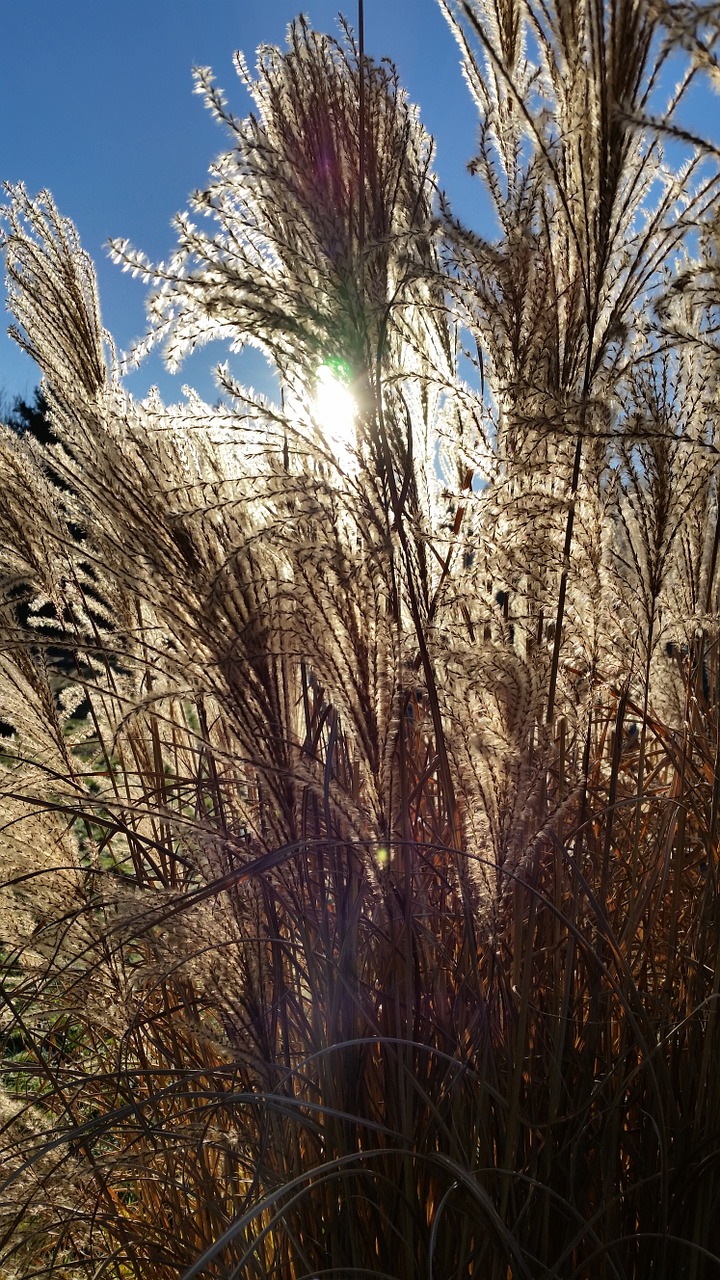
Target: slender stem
564, 578
361, 175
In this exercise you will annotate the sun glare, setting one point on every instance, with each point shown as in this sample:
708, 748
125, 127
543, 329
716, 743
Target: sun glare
335, 408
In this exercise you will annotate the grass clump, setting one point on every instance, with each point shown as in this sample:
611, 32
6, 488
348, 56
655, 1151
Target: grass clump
359, 904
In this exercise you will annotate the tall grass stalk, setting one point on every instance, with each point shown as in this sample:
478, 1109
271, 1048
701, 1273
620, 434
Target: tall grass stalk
359, 802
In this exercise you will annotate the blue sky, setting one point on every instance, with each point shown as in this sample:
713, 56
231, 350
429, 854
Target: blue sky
96, 104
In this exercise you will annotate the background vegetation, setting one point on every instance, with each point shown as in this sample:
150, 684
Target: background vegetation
360, 810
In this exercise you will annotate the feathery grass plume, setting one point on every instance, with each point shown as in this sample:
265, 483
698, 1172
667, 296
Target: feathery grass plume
323, 951
588, 212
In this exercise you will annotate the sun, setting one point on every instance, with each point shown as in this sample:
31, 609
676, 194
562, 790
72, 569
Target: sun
335, 407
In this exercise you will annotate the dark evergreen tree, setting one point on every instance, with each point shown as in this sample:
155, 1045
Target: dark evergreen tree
31, 417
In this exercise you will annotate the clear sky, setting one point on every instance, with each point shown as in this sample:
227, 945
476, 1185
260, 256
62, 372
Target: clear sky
96, 104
